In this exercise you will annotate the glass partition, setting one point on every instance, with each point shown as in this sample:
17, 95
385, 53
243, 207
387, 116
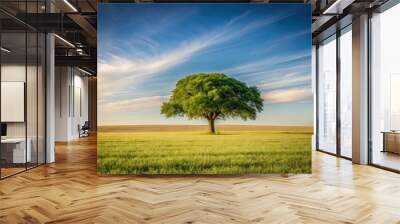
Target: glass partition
385, 89
327, 95
31, 97
346, 93
14, 153
22, 78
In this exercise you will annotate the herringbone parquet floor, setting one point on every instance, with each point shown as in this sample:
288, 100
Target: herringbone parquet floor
70, 191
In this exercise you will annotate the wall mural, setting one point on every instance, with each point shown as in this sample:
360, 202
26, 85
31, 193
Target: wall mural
204, 89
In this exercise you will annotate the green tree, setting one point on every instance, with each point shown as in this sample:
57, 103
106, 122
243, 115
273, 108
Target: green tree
213, 96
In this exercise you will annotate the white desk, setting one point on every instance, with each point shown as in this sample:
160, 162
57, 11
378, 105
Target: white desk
19, 153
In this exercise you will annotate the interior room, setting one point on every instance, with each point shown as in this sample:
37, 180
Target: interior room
71, 102
49, 101
385, 89
22, 102
25, 67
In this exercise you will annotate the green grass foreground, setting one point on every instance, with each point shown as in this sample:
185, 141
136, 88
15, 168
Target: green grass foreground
197, 152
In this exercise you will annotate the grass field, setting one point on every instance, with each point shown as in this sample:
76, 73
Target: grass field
162, 149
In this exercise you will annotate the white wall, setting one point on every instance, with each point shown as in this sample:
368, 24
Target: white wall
62, 82
33, 126
80, 108
17, 73
71, 94
14, 73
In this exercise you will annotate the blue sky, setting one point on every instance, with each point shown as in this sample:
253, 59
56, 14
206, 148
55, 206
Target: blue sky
143, 49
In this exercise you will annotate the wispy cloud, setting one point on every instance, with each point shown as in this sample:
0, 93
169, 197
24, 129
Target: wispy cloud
133, 104
288, 95
142, 39
116, 73
139, 61
265, 64
285, 81
278, 81
285, 38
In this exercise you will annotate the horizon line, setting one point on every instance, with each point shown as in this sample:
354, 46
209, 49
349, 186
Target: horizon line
165, 124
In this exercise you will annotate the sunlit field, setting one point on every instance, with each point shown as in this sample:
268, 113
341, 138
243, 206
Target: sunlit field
162, 149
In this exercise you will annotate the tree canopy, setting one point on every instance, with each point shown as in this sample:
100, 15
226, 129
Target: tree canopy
213, 96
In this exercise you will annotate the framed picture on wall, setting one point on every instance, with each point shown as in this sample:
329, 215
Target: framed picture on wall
204, 89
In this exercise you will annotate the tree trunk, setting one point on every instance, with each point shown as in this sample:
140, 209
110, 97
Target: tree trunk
211, 125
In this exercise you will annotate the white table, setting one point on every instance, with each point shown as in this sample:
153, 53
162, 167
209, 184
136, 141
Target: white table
19, 153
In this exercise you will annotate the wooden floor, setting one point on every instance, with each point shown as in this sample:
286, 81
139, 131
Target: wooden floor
5, 172
70, 191
387, 159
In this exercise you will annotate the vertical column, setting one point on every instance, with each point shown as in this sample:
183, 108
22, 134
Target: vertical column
50, 92
50, 98
338, 91
360, 90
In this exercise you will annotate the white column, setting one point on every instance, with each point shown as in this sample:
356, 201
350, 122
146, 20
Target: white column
360, 90
50, 99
